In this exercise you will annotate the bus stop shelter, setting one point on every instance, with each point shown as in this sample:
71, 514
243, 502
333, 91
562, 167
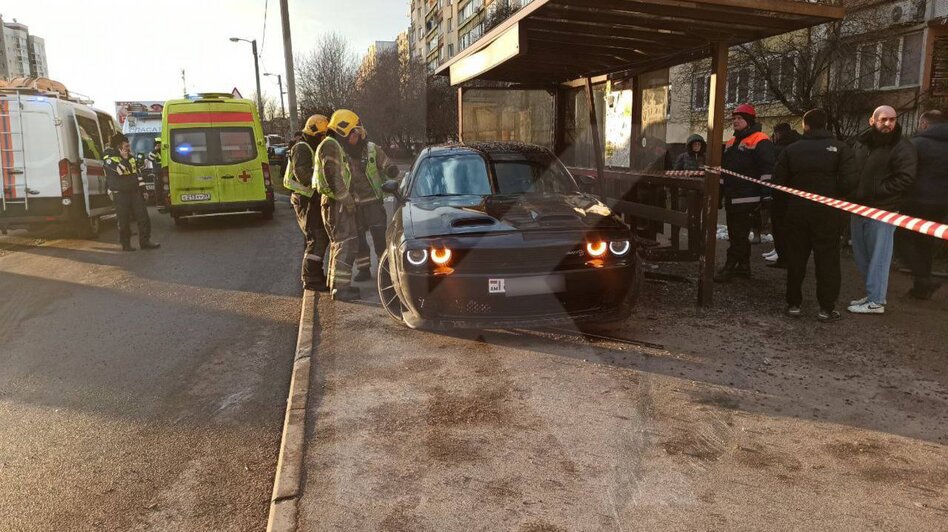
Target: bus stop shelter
552, 49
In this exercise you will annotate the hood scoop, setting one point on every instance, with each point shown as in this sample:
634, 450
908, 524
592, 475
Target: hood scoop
480, 221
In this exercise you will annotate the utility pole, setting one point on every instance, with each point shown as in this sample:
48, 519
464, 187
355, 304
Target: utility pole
256, 70
280, 83
184, 83
288, 59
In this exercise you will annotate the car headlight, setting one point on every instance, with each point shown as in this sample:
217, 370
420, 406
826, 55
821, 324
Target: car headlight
440, 256
417, 257
597, 249
620, 248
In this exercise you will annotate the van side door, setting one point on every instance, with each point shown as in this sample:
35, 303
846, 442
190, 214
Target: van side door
92, 168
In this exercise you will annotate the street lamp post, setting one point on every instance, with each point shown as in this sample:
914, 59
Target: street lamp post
256, 70
280, 83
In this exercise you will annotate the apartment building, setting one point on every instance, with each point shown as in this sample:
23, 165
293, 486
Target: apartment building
442, 28
21, 54
892, 52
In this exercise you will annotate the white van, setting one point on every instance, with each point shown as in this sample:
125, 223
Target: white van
51, 167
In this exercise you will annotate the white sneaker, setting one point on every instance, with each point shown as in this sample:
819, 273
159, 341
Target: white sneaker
772, 258
857, 302
867, 308
769, 253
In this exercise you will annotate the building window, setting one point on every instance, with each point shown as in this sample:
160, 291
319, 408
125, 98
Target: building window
894, 62
701, 87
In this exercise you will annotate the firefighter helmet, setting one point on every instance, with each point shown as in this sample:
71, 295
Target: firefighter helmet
745, 109
343, 122
316, 125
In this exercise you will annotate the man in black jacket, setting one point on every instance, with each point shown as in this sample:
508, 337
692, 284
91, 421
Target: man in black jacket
820, 164
927, 200
749, 153
887, 165
783, 136
124, 180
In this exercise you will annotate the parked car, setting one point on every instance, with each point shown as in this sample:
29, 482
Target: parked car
214, 158
500, 234
52, 171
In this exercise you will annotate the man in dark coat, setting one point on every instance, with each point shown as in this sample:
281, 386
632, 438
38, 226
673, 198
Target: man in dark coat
784, 135
749, 153
887, 165
124, 182
820, 164
927, 200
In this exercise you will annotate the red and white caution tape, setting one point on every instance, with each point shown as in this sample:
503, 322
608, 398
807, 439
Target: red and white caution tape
684, 173
925, 227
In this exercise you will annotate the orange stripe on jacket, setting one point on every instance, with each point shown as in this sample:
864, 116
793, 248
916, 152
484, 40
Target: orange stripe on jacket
751, 141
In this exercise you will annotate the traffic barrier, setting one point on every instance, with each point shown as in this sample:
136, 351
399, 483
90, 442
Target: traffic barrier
925, 227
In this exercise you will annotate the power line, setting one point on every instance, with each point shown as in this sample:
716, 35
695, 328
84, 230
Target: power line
263, 41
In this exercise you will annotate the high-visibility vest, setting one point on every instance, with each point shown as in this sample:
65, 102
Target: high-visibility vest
372, 170
289, 177
320, 183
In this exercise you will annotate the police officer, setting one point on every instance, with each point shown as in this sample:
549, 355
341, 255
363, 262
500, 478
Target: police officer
154, 156
332, 178
124, 182
749, 153
368, 163
298, 178
820, 164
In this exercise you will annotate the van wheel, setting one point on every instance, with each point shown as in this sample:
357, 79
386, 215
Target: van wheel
88, 227
179, 221
267, 214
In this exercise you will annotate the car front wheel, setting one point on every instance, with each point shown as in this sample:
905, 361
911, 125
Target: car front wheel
391, 301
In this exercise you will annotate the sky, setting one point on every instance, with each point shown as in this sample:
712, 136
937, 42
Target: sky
114, 50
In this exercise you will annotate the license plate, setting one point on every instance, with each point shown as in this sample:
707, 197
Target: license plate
195, 197
528, 286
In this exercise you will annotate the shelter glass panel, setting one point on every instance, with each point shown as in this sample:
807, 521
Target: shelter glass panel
508, 115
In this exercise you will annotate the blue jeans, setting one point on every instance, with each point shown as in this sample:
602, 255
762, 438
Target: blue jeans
872, 249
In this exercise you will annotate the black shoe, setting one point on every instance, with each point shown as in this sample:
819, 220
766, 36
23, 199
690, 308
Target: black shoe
363, 275
741, 270
316, 285
127, 247
827, 316
725, 274
923, 290
781, 264
149, 245
346, 294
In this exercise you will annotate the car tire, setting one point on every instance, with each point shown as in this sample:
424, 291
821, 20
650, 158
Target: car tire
88, 227
180, 221
267, 214
388, 293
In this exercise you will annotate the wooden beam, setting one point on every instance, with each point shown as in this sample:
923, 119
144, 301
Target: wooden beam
597, 142
716, 116
460, 114
635, 146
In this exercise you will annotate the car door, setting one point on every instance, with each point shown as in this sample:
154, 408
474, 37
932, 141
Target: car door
241, 154
192, 168
92, 168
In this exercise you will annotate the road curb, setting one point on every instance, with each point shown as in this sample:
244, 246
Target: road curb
287, 484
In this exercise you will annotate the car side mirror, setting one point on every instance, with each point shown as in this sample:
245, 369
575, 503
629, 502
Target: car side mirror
392, 172
586, 183
391, 187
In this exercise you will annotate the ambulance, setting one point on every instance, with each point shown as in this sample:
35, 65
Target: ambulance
214, 159
51, 170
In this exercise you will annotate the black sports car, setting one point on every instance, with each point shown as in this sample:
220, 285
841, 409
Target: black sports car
500, 234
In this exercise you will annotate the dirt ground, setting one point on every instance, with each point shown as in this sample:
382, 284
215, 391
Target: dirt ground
730, 418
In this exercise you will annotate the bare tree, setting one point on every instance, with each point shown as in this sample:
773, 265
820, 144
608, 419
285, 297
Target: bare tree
499, 11
325, 78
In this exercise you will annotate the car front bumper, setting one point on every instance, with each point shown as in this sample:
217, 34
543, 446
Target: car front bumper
464, 301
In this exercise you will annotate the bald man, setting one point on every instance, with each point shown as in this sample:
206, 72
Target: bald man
887, 165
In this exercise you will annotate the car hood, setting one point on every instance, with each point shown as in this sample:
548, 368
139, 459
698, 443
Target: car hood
456, 215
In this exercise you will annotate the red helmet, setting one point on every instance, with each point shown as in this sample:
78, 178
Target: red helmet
747, 109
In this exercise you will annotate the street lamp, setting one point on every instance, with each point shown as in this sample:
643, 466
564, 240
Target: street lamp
280, 83
256, 69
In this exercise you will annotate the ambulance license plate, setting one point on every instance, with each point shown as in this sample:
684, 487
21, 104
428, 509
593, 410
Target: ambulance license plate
195, 197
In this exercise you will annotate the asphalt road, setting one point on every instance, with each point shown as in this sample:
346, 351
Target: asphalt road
146, 390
